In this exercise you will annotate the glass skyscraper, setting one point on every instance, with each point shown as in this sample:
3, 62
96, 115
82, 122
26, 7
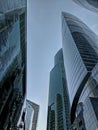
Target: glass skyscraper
12, 61
89, 4
32, 111
80, 58
58, 104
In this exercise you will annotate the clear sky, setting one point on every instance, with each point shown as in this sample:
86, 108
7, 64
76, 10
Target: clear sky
44, 39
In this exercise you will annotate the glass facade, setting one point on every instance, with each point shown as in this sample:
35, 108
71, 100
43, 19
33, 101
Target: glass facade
86, 51
58, 105
80, 56
32, 111
79, 123
93, 2
89, 98
29, 116
12, 61
9, 5
89, 4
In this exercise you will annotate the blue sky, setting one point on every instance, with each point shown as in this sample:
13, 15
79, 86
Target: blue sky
44, 39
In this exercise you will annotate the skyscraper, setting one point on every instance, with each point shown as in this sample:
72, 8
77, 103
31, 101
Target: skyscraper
12, 61
80, 58
32, 111
58, 104
89, 4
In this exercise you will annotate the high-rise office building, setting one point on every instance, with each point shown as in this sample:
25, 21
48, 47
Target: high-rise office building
32, 111
58, 104
80, 59
89, 4
12, 61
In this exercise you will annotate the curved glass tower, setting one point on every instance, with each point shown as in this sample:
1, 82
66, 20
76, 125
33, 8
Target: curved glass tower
58, 105
80, 56
89, 98
89, 4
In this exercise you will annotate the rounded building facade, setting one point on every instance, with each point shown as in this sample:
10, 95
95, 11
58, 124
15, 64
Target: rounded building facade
89, 4
80, 56
89, 101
